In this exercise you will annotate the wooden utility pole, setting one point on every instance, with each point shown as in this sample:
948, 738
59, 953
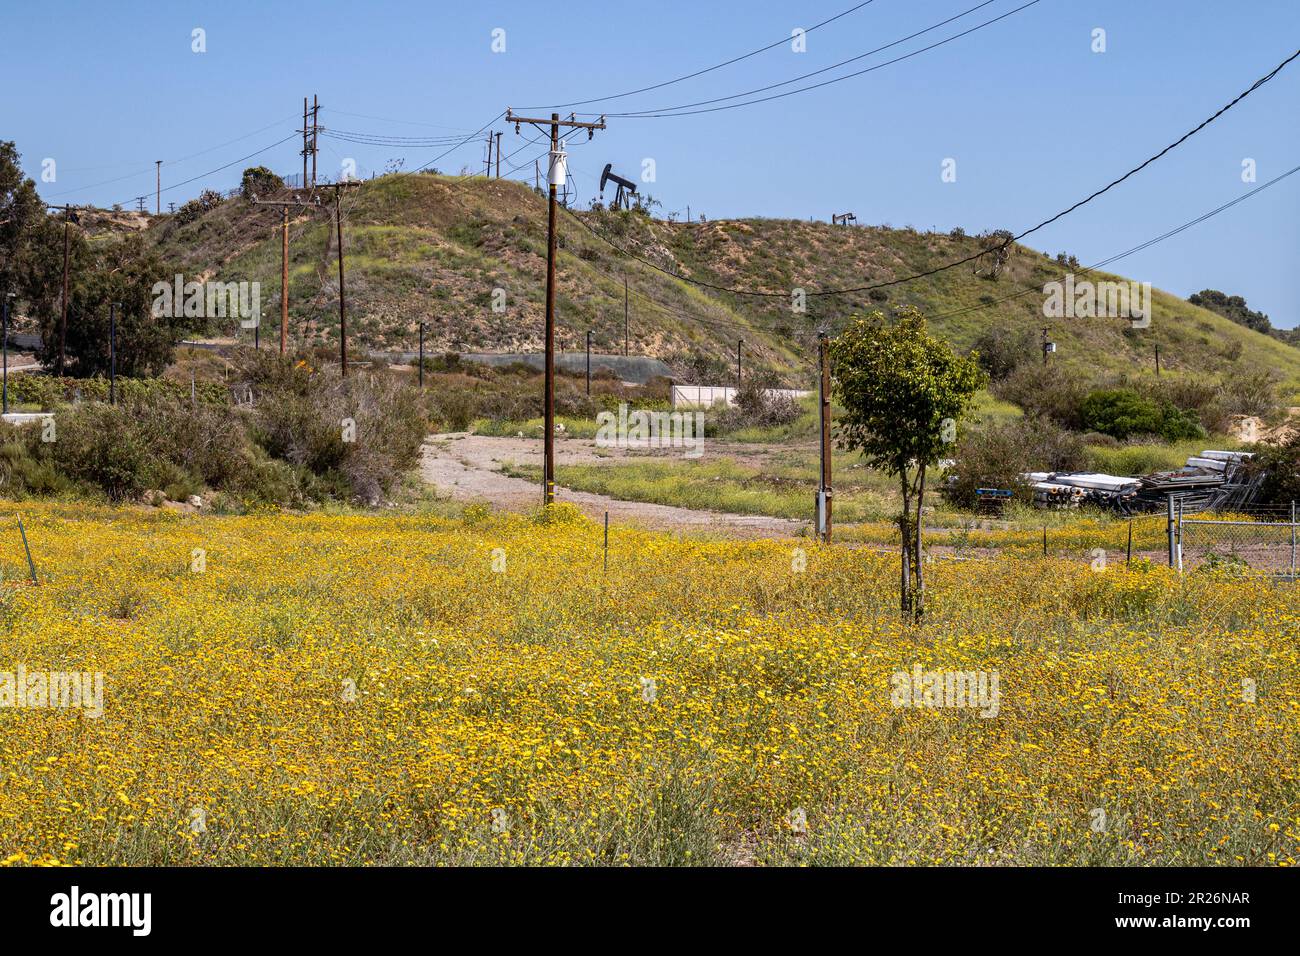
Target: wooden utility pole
488, 173
1157, 359
556, 173
284, 261
304, 142
824, 387
739, 343
315, 134
421, 355
68, 217
498, 155
626, 338
343, 312
157, 168
589, 363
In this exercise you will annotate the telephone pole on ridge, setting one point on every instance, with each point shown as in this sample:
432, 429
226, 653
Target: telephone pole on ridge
557, 174
343, 312
284, 260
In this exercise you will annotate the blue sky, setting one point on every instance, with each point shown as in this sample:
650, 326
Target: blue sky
1034, 119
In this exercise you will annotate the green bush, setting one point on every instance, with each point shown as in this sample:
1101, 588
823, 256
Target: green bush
1121, 412
996, 456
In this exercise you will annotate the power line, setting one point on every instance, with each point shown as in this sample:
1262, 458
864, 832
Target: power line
640, 114
951, 265
690, 76
234, 162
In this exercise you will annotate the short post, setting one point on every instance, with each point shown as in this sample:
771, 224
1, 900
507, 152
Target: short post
421, 355
1293, 541
589, 363
1129, 559
606, 542
31, 565
1179, 536
1044, 540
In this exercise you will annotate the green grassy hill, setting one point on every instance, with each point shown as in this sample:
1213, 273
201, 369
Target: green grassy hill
433, 248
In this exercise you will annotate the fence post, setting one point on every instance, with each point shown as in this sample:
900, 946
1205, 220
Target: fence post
1169, 526
1180, 536
1128, 558
1293, 542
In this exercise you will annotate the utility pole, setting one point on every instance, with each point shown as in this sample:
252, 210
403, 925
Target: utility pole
1157, 360
739, 343
157, 168
626, 338
589, 363
343, 313
824, 387
112, 353
488, 173
63, 316
315, 135
421, 355
498, 155
284, 261
4, 305
304, 142
557, 173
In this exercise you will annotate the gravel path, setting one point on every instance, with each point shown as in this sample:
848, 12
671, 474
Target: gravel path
468, 468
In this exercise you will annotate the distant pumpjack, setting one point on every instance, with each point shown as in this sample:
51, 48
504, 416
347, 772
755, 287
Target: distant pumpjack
843, 218
626, 188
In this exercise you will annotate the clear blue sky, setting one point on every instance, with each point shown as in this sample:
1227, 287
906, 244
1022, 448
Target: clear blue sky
1033, 117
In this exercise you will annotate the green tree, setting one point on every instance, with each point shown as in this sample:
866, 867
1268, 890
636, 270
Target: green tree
1232, 307
903, 393
21, 210
259, 181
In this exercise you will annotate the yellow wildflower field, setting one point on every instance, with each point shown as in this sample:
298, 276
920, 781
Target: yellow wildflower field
411, 689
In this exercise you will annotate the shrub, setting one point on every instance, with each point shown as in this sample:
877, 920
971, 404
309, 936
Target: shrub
1002, 350
1121, 412
1051, 391
996, 456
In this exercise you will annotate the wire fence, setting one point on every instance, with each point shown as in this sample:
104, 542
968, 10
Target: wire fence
1262, 539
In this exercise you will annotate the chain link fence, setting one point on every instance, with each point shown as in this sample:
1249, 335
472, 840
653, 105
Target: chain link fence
1262, 539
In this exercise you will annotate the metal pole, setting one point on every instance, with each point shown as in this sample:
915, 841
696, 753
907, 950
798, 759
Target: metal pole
548, 464
158, 187
607, 541
112, 353
315, 135
1129, 558
626, 338
304, 142
739, 342
589, 363
498, 155
421, 355
31, 565
1169, 527
1293, 541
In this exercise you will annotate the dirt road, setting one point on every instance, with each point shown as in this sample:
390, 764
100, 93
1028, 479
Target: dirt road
468, 468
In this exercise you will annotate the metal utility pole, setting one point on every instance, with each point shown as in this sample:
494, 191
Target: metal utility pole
343, 313
824, 389
626, 338
589, 363
112, 353
157, 168
557, 173
498, 155
284, 261
421, 355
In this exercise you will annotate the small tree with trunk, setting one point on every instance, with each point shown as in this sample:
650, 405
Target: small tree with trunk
903, 393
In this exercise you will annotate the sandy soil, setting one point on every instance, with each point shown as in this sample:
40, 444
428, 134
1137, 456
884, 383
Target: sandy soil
468, 468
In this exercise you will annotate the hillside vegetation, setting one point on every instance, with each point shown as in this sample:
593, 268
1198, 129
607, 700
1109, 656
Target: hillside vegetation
432, 248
